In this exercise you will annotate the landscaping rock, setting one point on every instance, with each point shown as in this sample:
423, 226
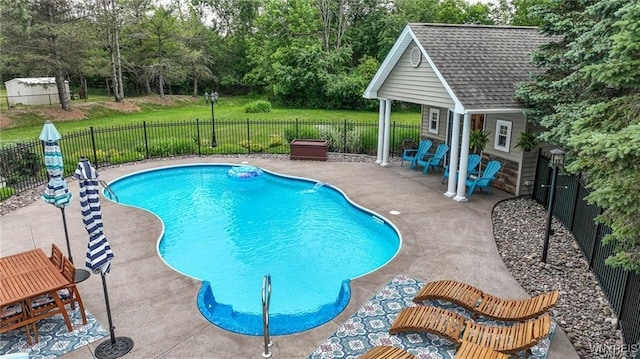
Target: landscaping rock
583, 311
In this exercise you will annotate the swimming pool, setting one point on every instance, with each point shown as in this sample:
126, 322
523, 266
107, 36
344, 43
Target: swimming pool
229, 231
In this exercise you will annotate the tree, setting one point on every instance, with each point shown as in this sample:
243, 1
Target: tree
159, 43
232, 24
109, 20
43, 38
285, 52
588, 99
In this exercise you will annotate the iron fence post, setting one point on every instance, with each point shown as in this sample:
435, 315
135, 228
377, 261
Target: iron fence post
198, 136
146, 139
248, 138
93, 144
344, 137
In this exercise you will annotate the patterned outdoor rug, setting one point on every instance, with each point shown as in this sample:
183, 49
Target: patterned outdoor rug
369, 327
54, 339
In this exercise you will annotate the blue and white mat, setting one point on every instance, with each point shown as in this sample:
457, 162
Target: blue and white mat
369, 327
54, 339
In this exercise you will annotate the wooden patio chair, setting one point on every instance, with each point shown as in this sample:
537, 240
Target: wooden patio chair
14, 316
44, 306
56, 256
487, 305
508, 339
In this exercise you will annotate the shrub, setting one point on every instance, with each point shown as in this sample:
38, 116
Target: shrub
169, 147
20, 163
6, 192
258, 107
338, 137
306, 132
276, 141
253, 147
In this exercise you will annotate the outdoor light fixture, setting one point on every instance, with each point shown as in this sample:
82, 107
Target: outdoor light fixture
557, 161
213, 98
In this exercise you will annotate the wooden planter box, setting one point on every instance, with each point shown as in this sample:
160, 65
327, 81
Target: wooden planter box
310, 150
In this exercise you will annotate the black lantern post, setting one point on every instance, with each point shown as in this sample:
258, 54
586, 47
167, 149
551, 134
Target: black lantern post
213, 98
557, 161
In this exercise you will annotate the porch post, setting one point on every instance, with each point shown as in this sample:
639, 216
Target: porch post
387, 133
453, 155
380, 130
464, 157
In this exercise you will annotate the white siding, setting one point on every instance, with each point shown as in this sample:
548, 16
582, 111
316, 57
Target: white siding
415, 84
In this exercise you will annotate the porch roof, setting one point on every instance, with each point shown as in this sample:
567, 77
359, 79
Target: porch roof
478, 65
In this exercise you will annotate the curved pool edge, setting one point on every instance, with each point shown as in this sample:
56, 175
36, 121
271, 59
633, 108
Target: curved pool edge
225, 317
383, 218
211, 310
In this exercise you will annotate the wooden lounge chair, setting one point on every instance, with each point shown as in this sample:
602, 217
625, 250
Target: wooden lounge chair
487, 305
467, 350
44, 306
508, 339
387, 352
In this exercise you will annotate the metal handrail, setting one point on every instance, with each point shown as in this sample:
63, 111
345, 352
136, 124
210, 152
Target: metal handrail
266, 300
112, 194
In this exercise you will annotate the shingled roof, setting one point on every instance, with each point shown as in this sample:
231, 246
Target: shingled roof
480, 64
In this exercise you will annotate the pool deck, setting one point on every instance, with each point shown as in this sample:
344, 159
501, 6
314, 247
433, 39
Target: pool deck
156, 307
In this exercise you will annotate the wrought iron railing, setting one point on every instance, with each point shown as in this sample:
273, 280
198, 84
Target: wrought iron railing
22, 166
621, 287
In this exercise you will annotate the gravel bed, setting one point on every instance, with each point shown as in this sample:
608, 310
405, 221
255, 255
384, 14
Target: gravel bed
519, 225
582, 311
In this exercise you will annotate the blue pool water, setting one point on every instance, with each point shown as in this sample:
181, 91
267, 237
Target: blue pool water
229, 232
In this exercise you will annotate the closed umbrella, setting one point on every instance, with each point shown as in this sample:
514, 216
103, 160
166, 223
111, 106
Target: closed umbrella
99, 252
57, 191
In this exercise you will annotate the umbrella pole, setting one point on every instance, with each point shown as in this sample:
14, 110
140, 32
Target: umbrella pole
115, 347
66, 234
81, 274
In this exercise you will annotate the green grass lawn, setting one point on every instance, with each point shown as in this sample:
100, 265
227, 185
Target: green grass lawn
28, 124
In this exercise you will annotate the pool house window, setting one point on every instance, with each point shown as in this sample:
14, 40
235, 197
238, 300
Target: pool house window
434, 120
503, 136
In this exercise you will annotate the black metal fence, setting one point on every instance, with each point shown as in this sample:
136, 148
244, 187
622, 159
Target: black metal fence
22, 164
621, 287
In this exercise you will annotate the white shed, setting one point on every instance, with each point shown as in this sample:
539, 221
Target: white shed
34, 91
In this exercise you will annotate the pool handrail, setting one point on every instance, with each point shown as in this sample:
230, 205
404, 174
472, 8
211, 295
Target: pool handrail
112, 194
266, 301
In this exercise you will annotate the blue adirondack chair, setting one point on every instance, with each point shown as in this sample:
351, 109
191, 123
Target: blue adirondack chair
434, 161
485, 179
472, 166
411, 155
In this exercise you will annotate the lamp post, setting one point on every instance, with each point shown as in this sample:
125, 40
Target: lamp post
213, 98
557, 161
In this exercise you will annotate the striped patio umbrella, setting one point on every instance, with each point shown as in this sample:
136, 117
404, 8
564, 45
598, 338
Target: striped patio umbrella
57, 191
99, 253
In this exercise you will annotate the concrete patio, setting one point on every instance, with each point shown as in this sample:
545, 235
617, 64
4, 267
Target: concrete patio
156, 306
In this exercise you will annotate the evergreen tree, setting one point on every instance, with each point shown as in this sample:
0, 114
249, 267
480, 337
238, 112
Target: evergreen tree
588, 100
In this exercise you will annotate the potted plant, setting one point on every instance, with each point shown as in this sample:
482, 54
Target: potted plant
527, 141
478, 140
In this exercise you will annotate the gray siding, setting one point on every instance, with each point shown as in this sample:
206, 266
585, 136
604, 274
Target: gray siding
415, 84
442, 125
518, 124
527, 172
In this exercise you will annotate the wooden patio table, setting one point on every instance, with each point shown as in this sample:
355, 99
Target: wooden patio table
30, 274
